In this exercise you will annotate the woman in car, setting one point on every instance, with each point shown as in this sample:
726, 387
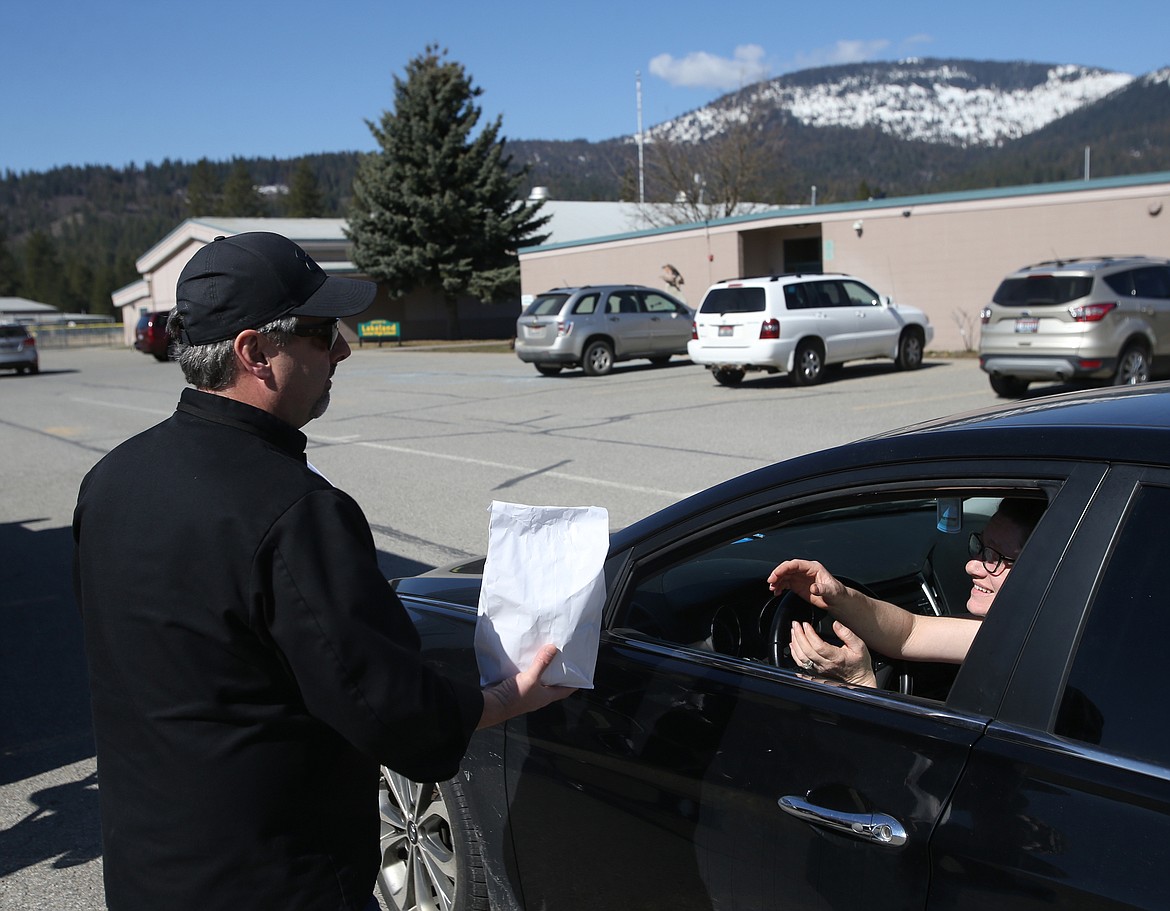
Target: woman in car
862, 622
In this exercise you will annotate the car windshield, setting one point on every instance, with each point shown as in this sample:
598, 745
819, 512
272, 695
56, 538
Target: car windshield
546, 305
1040, 290
734, 300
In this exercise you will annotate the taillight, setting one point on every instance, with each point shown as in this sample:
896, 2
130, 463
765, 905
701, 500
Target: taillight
694, 330
564, 328
985, 315
29, 342
1092, 313
770, 328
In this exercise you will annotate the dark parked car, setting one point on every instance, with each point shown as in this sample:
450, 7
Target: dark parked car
150, 335
703, 771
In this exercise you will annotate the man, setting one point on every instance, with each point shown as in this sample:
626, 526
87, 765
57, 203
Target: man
860, 620
249, 665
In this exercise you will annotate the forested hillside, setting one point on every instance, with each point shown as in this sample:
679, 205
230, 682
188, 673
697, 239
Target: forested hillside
70, 236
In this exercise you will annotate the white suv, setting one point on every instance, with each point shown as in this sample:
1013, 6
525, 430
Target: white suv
801, 324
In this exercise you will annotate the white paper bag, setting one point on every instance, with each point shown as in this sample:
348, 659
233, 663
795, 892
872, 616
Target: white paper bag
543, 583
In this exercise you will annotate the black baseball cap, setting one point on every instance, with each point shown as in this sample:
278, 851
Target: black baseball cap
248, 280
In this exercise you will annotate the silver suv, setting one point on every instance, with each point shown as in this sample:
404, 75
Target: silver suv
18, 349
802, 324
596, 326
1103, 318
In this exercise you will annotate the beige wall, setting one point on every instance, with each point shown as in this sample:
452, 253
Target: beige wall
944, 257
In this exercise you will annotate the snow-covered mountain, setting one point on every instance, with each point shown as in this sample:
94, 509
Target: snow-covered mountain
962, 103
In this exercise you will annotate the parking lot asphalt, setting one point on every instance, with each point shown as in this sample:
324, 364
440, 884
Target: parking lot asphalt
424, 440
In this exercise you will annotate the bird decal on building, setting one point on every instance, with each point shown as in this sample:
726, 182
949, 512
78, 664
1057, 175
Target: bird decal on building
672, 276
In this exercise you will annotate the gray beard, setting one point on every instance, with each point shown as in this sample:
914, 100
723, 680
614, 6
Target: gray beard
319, 406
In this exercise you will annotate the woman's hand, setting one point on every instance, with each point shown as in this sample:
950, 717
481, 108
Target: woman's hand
849, 662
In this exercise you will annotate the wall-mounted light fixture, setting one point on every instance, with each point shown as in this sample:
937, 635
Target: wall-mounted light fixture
1154, 208
905, 213
857, 226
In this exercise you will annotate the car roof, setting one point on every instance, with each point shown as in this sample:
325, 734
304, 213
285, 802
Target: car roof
782, 276
1090, 263
1113, 424
572, 289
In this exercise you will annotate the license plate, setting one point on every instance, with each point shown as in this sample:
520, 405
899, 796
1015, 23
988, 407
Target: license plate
534, 331
1027, 324
725, 331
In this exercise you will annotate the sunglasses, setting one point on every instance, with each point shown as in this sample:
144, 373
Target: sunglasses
993, 561
327, 332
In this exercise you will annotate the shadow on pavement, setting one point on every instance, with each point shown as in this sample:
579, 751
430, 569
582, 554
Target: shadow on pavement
44, 694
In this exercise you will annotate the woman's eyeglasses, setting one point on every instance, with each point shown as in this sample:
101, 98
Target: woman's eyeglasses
993, 561
327, 332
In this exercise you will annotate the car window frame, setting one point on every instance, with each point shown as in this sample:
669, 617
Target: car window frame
981, 680
1033, 700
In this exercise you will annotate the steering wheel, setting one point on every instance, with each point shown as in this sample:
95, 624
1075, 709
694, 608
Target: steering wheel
789, 607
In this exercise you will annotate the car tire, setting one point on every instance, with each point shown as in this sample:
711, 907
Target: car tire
428, 838
548, 369
1133, 367
598, 358
808, 366
162, 357
1008, 387
910, 352
728, 376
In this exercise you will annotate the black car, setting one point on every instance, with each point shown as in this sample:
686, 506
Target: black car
703, 771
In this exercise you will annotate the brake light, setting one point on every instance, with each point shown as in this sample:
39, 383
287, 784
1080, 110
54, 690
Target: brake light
564, 328
29, 342
694, 330
1092, 313
770, 328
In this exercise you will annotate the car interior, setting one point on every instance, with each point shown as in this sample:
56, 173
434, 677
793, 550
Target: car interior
910, 550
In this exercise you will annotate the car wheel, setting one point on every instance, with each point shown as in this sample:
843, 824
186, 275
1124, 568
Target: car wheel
1008, 387
809, 368
661, 361
161, 357
598, 358
728, 376
1133, 367
431, 856
548, 369
909, 350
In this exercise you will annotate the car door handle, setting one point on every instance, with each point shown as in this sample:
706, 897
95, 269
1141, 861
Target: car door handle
877, 828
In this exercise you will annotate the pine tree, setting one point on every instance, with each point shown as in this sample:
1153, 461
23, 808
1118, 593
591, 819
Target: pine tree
43, 278
437, 208
203, 189
305, 199
9, 270
240, 198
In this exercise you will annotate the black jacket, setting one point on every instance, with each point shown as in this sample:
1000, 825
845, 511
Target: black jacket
250, 667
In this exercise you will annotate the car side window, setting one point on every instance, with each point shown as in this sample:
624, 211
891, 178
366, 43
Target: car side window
859, 295
1115, 692
713, 597
586, 304
831, 294
1121, 283
654, 302
797, 297
1152, 281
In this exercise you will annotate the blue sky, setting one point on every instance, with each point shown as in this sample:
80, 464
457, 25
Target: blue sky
120, 81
